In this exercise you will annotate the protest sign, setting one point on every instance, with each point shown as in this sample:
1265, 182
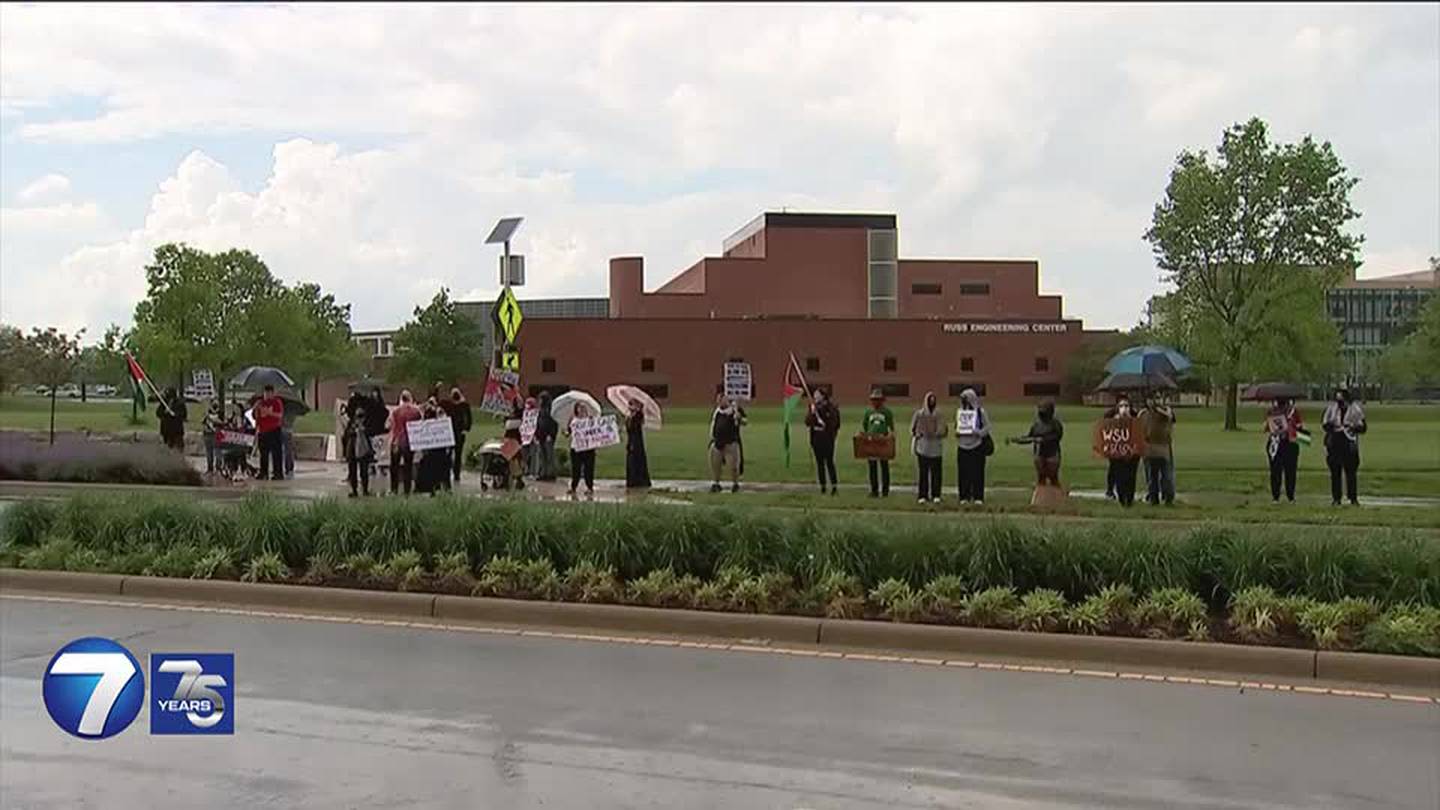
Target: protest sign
430, 434
234, 438
593, 432
1118, 438
528, 420
502, 388
737, 381
203, 384
965, 422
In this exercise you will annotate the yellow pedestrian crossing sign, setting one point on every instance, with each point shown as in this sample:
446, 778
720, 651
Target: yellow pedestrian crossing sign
508, 315
510, 359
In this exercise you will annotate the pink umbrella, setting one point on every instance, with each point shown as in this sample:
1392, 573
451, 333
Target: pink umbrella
622, 395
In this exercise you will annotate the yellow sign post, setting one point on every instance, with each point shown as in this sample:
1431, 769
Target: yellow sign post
507, 315
510, 359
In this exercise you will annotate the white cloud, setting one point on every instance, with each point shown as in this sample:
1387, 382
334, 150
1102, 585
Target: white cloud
1028, 130
44, 189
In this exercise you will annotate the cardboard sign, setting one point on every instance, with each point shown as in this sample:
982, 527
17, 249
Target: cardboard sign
966, 422
874, 445
1119, 438
593, 432
737, 381
204, 383
927, 425
1276, 425
502, 388
528, 420
235, 438
430, 434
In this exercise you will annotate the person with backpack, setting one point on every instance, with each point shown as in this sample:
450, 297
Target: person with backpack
1343, 423
878, 420
1283, 431
927, 431
724, 443
973, 444
823, 420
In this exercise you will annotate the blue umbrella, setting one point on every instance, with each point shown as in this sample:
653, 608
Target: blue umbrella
1149, 360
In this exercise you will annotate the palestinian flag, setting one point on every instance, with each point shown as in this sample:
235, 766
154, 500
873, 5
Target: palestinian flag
138, 381
793, 389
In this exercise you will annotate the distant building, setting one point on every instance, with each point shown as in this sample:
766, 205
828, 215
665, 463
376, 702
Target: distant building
1372, 314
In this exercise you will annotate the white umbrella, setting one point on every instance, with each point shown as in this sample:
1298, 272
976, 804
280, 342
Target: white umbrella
622, 395
564, 406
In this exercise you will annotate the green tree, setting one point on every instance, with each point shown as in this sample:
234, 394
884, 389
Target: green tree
1248, 238
1085, 368
12, 357
308, 334
1415, 361
439, 343
51, 358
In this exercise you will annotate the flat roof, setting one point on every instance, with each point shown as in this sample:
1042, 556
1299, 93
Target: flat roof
1418, 280
808, 219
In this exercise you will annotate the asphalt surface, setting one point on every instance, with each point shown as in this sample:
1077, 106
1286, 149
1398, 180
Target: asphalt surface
352, 716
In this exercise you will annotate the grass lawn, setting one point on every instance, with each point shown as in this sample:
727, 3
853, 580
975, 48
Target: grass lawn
1399, 456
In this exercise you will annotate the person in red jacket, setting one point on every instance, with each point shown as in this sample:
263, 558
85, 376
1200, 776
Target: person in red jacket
402, 458
269, 418
1283, 429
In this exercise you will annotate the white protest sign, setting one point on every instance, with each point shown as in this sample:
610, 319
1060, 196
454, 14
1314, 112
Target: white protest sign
237, 438
430, 434
528, 420
592, 432
737, 381
501, 389
965, 422
204, 383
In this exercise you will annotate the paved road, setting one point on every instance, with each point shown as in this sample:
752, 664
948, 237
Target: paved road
360, 716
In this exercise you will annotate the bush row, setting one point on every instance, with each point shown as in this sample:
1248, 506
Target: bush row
1077, 560
28, 458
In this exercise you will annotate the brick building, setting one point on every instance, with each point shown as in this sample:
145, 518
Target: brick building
832, 289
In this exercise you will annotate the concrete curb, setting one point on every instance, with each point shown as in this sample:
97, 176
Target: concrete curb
1100, 651
65, 489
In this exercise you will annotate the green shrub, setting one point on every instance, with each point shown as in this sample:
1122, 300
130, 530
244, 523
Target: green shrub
360, 565
1337, 625
320, 569
1257, 614
266, 567
771, 592
455, 565
49, 555
992, 607
406, 569
587, 582
837, 596
217, 563
25, 522
513, 579
1088, 617
711, 596
1172, 613
1041, 610
945, 597
176, 561
1404, 630
662, 588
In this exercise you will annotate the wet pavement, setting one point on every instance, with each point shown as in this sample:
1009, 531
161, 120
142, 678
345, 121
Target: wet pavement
352, 716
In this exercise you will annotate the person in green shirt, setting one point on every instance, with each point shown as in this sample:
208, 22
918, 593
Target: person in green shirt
878, 421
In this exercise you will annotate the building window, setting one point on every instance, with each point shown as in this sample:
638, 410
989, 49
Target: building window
892, 389
891, 364
884, 273
958, 388
1042, 389
656, 391
812, 364
547, 365
967, 364
975, 288
647, 364
1042, 364
734, 359
925, 288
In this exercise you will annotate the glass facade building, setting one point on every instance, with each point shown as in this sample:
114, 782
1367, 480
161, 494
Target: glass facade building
1373, 314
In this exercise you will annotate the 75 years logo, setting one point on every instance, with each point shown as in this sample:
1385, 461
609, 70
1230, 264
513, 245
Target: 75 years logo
192, 693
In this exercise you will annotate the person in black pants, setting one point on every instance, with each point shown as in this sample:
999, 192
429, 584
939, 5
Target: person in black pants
824, 423
460, 422
927, 433
972, 440
582, 462
1283, 427
1344, 422
1120, 473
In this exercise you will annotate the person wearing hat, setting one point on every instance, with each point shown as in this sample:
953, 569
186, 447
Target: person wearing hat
878, 421
1343, 423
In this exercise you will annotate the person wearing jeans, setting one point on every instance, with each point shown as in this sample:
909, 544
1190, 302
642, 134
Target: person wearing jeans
402, 458
1343, 423
1157, 424
927, 430
878, 421
972, 429
269, 419
823, 420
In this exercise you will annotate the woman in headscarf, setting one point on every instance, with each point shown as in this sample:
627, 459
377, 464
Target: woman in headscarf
637, 466
927, 430
973, 443
1343, 423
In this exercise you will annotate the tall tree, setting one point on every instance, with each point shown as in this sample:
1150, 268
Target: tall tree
439, 343
51, 357
1415, 361
1244, 235
12, 357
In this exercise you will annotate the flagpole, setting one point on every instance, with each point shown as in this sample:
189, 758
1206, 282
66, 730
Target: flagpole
145, 378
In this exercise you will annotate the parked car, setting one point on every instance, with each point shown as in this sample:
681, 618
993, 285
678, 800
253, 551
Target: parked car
104, 390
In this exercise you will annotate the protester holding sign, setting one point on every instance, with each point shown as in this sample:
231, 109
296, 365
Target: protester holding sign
637, 466
824, 423
974, 444
402, 458
1283, 431
878, 420
432, 437
1343, 422
356, 444
1118, 439
582, 454
927, 431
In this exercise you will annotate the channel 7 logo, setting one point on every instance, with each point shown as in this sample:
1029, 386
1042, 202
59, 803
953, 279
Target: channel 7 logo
192, 693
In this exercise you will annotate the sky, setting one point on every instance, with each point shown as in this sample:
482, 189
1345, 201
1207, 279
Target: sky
370, 148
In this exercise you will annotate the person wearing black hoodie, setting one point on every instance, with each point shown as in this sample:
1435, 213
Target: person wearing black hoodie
171, 414
357, 448
546, 430
460, 422
1045, 435
824, 423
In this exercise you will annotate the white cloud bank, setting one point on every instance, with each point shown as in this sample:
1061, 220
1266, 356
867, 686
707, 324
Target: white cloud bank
991, 130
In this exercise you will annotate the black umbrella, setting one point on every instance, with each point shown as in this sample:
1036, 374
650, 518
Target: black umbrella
1274, 390
368, 385
255, 378
1136, 382
294, 406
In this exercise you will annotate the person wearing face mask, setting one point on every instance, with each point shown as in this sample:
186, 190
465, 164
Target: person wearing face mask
1121, 472
824, 423
973, 444
1283, 429
927, 431
878, 420
1343, 423
1157, 423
